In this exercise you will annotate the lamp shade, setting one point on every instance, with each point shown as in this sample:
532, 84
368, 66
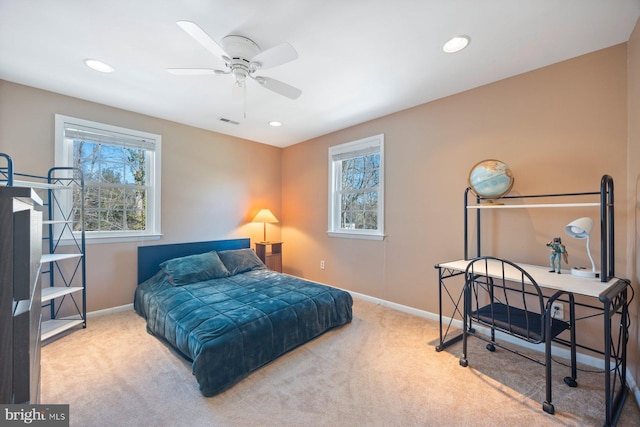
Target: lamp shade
265, 215
579, 228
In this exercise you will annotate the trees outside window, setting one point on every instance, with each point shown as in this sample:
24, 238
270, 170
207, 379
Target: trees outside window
356, 189
115, 188
121, 170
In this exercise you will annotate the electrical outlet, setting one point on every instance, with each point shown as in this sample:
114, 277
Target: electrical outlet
321, 264
557, 310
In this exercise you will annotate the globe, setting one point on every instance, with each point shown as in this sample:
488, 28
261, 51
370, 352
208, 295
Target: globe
490, 179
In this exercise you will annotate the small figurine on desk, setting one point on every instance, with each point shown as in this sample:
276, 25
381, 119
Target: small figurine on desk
558, 251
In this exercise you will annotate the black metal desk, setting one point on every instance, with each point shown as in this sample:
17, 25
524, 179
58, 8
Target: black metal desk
612, 295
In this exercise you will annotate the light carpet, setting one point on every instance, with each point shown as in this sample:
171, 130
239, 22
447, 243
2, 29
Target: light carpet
380, 370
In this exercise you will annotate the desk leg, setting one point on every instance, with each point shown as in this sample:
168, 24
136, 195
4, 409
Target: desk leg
444, 344
440, 346
614, 401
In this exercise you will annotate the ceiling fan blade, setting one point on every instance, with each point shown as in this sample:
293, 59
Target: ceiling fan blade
191, 71
275, 56
201, 37
279, 87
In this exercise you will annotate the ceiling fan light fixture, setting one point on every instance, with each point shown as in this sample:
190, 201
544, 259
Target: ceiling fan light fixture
100, 66
456, 44
240, 74
275, 123
242, 58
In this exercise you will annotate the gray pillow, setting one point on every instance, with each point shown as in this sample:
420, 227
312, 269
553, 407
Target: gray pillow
241, 260
194, 268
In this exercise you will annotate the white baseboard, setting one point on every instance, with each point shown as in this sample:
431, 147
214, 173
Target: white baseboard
111, 310
634, 388
585, 359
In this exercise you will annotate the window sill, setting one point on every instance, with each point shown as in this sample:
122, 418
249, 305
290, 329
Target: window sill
346, 235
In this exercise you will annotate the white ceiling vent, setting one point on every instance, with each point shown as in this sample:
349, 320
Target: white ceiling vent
233, 122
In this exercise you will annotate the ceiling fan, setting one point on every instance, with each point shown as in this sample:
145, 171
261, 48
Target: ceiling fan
242, 58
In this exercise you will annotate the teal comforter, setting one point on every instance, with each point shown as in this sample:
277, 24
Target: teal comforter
229, 327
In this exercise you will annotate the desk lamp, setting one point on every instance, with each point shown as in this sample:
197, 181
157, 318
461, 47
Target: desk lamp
265, 216
580, 229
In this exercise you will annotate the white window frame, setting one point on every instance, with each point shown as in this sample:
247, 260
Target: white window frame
64, 158
341, 152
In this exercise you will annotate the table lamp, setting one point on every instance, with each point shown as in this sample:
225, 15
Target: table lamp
265, 216
580, 229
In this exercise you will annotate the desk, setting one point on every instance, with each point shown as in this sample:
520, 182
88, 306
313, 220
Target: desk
612, 295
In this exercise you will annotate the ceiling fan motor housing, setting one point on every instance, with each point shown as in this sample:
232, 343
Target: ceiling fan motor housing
241, 50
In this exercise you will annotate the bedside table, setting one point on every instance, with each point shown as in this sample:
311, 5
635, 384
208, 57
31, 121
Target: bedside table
272, 258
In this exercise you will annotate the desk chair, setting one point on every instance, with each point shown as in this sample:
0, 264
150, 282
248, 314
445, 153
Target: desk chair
515, 307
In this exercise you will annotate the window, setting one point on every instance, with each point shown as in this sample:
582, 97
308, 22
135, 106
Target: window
121, 169
356, 189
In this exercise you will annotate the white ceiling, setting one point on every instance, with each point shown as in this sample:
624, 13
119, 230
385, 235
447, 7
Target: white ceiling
358, 59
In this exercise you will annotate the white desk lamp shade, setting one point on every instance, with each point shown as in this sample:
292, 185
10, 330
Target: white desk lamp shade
581, 229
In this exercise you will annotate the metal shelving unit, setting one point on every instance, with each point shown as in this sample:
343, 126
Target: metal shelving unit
607, 236
64, 237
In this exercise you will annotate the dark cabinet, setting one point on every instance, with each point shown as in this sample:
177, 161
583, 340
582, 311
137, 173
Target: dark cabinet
20, 294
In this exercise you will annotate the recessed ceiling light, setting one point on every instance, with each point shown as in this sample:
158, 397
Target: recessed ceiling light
96, 65
275, 123
456, 44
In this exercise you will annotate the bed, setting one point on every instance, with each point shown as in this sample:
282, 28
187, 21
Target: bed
219, 306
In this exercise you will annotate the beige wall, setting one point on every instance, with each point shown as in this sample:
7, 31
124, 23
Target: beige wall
633, 211
212, 184
559, 128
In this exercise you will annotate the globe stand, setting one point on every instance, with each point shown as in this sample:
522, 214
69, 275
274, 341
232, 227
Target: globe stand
491, 202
